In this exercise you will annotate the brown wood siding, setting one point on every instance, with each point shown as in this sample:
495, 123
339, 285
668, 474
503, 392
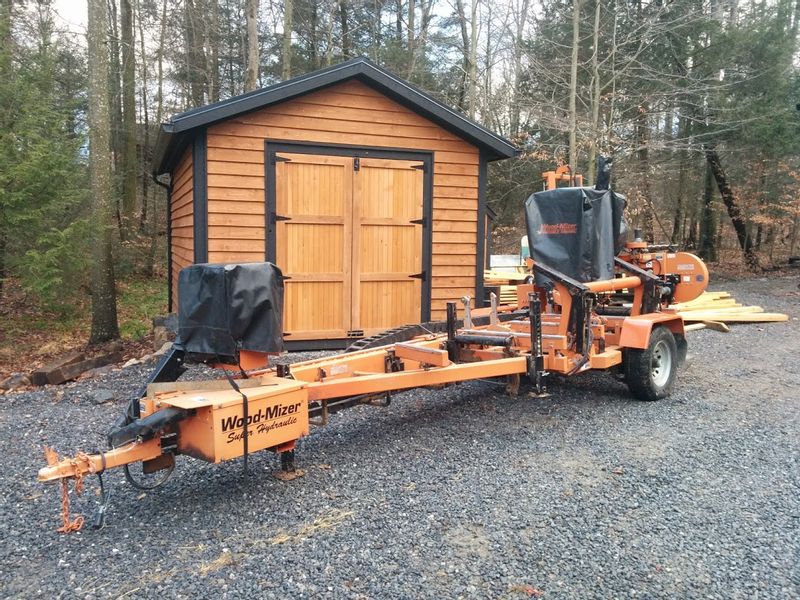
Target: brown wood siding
182, 220
354, 114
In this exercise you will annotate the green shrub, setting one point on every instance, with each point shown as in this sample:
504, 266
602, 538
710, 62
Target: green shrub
56, 271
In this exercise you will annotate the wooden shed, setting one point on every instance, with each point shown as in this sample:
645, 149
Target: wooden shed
369, 195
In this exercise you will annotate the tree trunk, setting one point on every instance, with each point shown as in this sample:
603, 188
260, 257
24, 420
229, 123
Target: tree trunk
734, 212
145, 153
3, 245
678, 223
462, 20
398, 23
573, 88
130, 161
104, 302
345, 25
195, 58
213, 51
251, 76
412, 13
707, 249
377, 22
473, 60
6, 51
514, 109
421, 40
117, 120
160, 63
593, 141
288, 9
643, 156
314, 43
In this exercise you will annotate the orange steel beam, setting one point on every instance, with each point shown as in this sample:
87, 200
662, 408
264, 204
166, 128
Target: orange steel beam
84, 464
403, 380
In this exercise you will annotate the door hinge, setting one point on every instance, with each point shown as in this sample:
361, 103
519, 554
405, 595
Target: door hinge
274, 158
356, 164
274, 218
423, 221
421, 276
421, 167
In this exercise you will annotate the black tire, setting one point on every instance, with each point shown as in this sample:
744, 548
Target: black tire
650, 373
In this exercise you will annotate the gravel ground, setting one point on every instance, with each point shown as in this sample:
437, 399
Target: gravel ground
455, 493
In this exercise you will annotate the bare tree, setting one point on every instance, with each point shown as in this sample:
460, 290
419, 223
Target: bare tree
573, 87
130, 161
196, 67
104, 300
212, 50
345, 25
251, 76
473, 60
288, 10
595, 133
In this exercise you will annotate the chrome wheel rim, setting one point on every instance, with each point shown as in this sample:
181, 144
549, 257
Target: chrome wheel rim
660, 364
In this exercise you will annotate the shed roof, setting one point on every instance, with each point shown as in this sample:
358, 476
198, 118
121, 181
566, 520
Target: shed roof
175, 133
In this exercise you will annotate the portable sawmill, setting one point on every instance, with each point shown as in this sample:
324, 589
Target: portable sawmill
592, 301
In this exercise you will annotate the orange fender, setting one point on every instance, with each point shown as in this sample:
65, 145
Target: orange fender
636, 330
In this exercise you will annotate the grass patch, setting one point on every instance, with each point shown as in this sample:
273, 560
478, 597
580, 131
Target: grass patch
138, 301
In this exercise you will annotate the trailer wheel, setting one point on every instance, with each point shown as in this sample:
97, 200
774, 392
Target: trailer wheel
650, 373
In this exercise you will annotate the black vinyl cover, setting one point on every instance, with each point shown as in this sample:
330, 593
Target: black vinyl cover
226, 308
576, 230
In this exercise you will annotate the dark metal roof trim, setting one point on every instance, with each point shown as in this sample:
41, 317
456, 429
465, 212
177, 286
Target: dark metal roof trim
171, 133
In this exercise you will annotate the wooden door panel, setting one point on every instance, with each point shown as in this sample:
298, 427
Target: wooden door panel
382, 302
376, 249
313, 234
387, 247
314, 310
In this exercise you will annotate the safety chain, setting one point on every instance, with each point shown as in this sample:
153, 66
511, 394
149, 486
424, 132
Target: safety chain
71, 525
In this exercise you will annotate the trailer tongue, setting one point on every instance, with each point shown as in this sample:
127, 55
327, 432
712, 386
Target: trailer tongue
230, 316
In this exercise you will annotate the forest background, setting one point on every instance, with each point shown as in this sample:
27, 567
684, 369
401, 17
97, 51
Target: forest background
696, 101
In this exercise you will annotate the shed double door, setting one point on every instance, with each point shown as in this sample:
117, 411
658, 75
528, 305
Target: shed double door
348, 237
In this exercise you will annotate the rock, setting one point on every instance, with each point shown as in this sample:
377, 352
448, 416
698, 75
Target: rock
162, 335
72, 371
17, 380
131, 362
163, 349
102, 395
43, 375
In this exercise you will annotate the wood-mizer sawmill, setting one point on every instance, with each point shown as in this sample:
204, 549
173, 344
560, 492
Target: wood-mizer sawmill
591, 301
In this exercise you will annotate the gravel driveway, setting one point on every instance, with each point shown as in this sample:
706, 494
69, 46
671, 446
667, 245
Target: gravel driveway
455, 493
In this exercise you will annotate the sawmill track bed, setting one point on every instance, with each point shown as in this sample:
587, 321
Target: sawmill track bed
461, 492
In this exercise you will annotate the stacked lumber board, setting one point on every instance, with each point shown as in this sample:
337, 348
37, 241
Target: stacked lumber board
506, 280
505, 277
721, 307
